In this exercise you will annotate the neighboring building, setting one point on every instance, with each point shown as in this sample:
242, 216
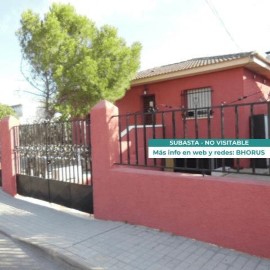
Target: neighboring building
27, 112
18, 110
202, 91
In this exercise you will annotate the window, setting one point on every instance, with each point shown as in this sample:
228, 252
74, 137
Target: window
197, 102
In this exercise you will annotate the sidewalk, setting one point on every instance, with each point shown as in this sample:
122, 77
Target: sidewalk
87, 243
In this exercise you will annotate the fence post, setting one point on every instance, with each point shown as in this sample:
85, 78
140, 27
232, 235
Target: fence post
105, 148
8, 155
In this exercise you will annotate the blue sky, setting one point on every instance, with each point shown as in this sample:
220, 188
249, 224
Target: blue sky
169, 30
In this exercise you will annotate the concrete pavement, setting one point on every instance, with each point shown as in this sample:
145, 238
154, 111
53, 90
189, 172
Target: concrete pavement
18, 255
85, 243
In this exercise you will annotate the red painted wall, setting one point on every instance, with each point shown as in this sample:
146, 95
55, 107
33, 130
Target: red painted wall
230, 213
233, 213
227, 86
256, 87
235, 86
7, 138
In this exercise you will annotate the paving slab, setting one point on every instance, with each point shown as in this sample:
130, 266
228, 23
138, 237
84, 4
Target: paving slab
88, 243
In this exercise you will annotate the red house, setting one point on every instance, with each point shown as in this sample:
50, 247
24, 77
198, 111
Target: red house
211, 97
209, 80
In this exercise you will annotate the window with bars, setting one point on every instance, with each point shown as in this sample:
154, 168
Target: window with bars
198, 101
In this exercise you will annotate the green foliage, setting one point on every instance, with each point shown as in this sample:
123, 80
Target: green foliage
6, 110
77, 62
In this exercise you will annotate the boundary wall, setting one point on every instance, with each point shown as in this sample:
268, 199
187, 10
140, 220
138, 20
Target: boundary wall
229, 212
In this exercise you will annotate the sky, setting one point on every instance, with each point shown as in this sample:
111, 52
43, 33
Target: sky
170, 31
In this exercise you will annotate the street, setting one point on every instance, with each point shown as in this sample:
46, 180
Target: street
18, 255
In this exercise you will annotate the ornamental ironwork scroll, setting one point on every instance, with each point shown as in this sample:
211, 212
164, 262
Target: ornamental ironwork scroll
54, 150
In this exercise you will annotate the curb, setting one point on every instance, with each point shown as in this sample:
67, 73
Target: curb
52, 253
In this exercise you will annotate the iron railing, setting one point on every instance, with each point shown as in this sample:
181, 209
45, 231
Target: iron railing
249, 120
54, 150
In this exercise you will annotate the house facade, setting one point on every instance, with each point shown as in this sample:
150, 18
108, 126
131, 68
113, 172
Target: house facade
212, 97
200, 82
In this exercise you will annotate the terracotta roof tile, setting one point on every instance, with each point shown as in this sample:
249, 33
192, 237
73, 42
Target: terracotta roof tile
189, 64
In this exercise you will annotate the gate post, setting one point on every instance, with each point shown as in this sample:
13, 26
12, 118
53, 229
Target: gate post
8, 155
105, 149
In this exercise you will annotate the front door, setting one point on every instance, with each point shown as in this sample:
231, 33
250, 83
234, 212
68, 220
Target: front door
149, 105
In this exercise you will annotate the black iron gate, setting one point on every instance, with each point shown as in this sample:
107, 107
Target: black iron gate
53, 163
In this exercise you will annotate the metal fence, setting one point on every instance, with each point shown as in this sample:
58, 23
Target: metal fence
249, 120
54, 150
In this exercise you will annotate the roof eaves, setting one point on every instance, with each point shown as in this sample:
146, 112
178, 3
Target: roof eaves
191, 64
260, 57
193, 71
